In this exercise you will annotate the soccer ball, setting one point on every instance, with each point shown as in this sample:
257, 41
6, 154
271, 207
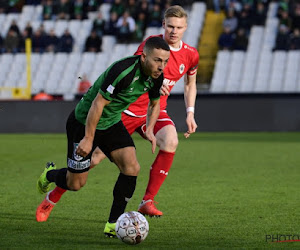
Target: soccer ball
132, 228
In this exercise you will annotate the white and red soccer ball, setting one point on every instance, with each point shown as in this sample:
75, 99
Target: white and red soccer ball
132, 228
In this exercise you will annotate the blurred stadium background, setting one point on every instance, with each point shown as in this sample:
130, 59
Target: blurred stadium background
248, 75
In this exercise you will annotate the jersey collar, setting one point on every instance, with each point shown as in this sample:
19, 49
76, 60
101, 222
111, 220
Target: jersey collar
175, 49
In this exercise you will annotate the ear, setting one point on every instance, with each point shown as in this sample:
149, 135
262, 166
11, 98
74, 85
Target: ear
143, 56
164, 23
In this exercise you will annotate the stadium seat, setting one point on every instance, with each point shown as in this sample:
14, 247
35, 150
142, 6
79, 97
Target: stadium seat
48, 25
263, 73
105, 9
277, 71
108, 42
220, 72
234, 72
38, 12
291, 72
60, 27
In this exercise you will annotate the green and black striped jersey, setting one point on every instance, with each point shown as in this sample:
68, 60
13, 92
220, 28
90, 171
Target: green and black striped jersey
122, 83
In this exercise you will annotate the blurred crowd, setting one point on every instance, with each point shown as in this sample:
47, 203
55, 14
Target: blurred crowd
128, 21
241, 15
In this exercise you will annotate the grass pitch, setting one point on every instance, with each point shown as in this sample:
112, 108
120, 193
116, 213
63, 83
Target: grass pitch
225, 190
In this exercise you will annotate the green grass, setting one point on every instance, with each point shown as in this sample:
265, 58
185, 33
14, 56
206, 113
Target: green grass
224, 191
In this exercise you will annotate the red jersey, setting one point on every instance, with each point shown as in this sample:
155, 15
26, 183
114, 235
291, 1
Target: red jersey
182, 60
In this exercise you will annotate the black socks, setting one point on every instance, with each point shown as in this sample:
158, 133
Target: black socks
123, 191
59, 177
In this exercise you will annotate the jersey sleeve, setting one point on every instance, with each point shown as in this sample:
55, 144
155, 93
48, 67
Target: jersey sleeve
154, 92
194, 63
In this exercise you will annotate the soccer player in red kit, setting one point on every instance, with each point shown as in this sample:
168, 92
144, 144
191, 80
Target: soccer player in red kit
183, 61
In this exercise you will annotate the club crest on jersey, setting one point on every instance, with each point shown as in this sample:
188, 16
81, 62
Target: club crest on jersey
76, 156
181, 68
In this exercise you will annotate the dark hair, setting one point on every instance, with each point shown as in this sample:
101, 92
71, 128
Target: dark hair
156, 42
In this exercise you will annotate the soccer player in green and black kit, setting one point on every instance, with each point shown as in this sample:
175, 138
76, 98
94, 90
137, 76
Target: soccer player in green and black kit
96, 122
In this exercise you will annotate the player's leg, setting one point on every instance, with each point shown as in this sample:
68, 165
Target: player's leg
72, 178
124, 187
167, 140
120, 149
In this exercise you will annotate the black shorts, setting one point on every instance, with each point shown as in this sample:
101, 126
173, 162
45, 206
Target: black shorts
107, 140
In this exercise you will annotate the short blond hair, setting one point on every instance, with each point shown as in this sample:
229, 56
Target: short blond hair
175, 11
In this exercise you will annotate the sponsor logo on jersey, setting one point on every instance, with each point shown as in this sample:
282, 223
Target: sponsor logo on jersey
181, 68
189, 48
79, 165
110, 89
168, 82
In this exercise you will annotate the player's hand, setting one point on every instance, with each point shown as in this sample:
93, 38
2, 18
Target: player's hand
84, 147
191, 124
164, 90
151, 137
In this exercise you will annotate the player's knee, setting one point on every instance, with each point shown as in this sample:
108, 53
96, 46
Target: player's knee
132, 168
170, 144
76, 185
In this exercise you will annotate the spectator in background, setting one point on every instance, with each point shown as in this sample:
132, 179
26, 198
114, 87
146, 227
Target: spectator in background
294, 41
84, 85
1, 44
231, 20
282, 39
140, 27
29, 29
143, 6
285, 20
3, 6
126, 28
131, 7
38, 41
296, 17
11, 42
14, 27
155, 16
79, 10
66, 42
48, 9
245, 21
260, 14
93, 42
92, 5
117, 7
52, 41
99, 24
63, 9
226, 39
240, 40
111, 26
221, 4
22, 41
43, 96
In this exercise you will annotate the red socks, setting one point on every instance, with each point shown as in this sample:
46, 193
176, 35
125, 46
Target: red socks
158, 173
56, 194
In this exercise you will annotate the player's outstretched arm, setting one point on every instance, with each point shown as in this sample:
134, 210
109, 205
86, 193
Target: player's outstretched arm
190, 93
93, 117
152, 115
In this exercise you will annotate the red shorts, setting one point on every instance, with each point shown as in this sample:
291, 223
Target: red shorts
138, 124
